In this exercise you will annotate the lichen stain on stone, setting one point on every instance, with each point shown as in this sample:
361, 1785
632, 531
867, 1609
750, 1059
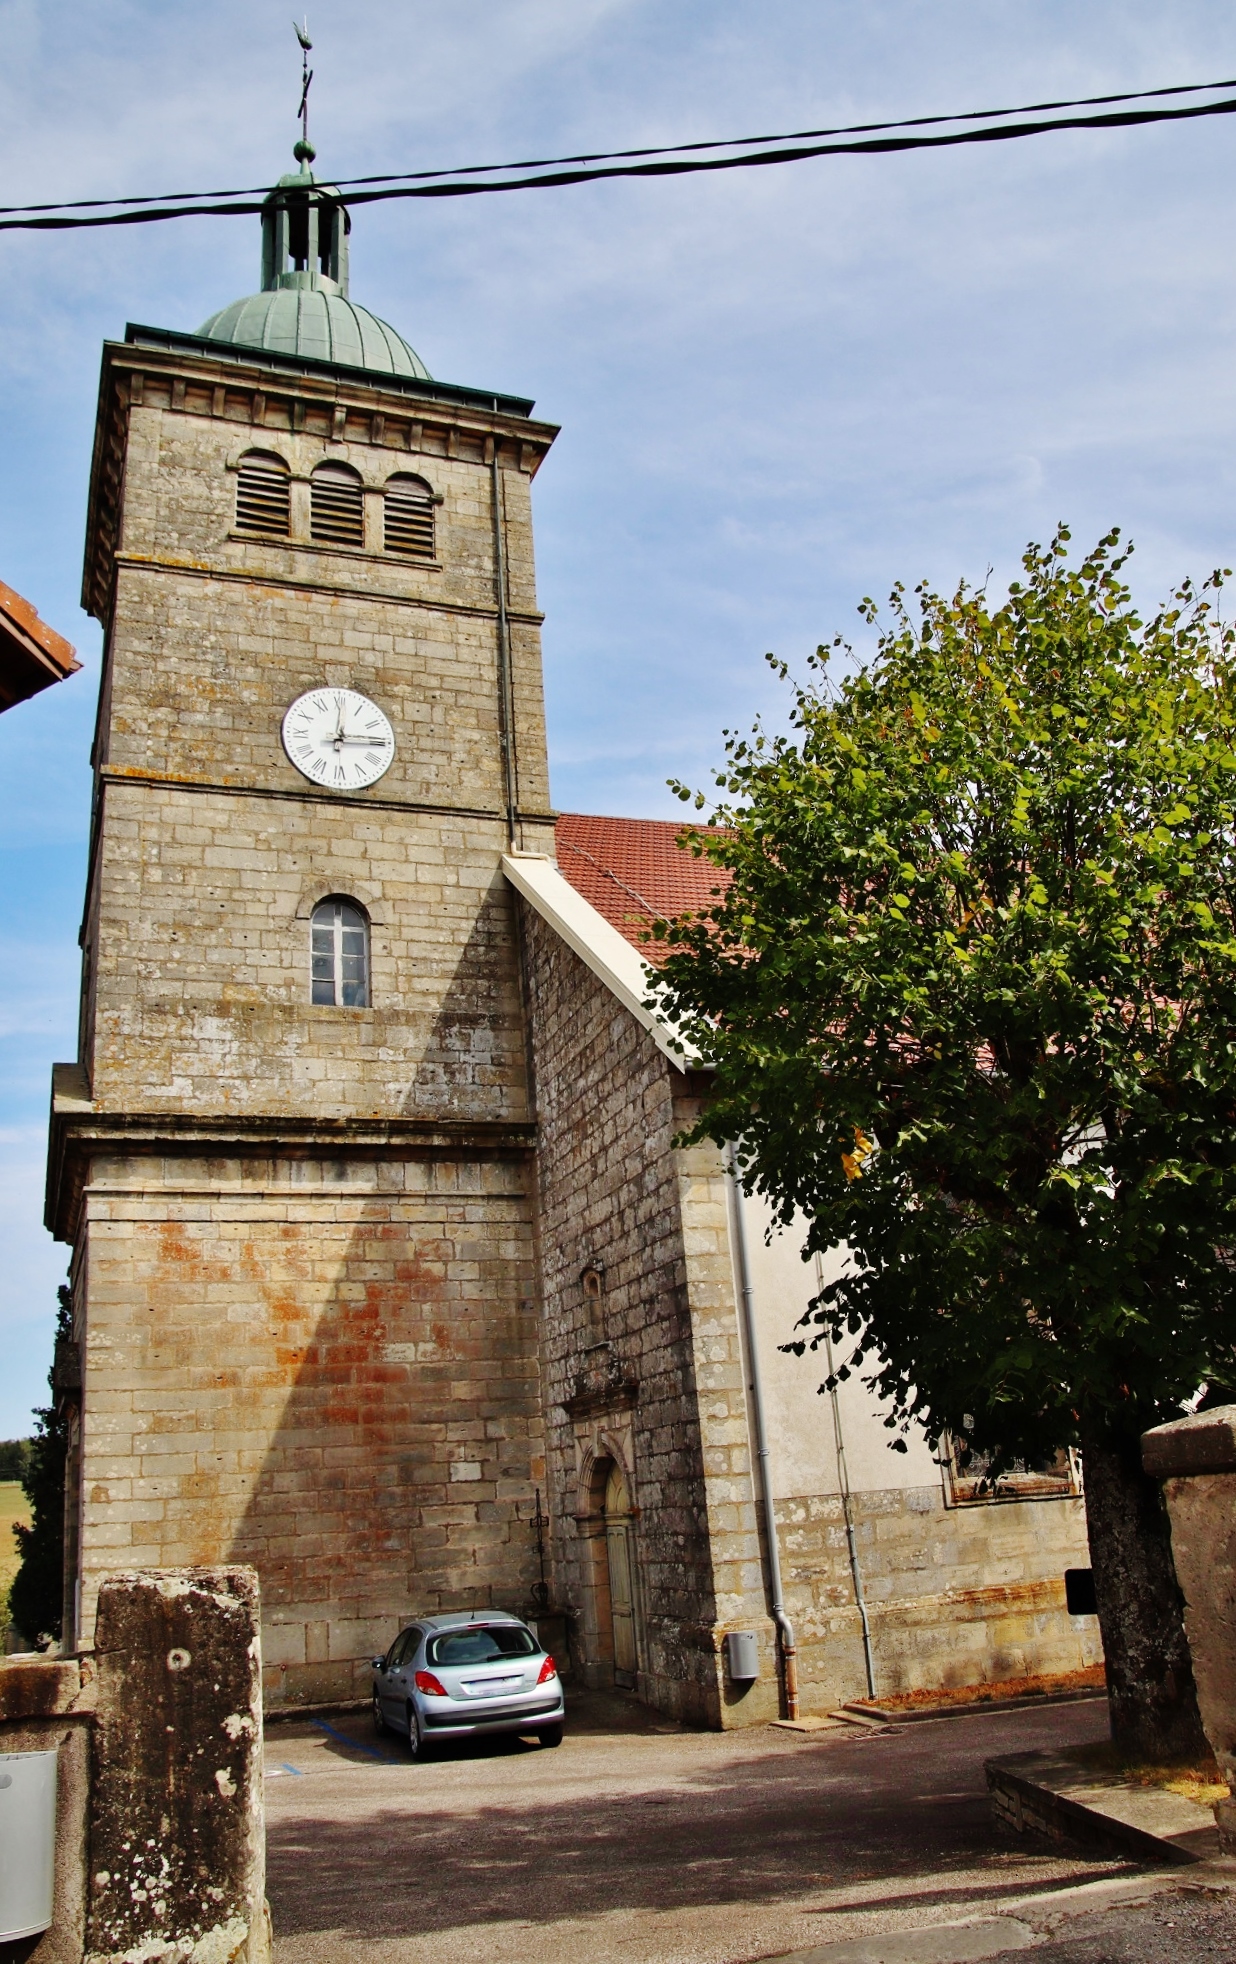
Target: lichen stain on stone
174, 1870
220, 1945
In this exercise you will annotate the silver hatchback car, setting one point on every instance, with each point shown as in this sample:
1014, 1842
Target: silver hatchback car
451, 1677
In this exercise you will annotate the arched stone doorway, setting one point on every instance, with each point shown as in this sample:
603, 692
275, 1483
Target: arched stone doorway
620, 1563
607, 1523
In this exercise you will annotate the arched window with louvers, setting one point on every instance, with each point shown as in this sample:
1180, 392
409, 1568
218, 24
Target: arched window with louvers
339, 953
336, 506
409, 516
263, 495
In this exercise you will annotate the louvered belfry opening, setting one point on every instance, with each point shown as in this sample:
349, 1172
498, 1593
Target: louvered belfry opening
337, 506
409, 517
263, 498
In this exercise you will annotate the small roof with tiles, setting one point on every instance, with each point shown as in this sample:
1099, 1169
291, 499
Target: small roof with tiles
32, 655
634, 872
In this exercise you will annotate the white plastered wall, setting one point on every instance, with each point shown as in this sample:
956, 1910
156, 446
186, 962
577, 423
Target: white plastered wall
800, 1418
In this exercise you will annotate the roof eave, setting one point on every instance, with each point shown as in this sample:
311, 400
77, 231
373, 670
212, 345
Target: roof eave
606, 952
172, 339
32, 655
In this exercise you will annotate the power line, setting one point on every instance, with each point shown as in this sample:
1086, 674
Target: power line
673, 161
651, 150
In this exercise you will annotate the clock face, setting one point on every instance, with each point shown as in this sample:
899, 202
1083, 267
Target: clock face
338, 739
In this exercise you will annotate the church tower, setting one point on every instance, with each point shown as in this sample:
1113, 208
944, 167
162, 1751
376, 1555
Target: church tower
293, 1158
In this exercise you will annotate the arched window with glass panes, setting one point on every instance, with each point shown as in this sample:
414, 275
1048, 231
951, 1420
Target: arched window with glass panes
409, 516
336, 506
339, 951
263, 495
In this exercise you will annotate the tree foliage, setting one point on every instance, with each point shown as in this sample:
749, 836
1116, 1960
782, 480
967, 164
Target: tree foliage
36, 1596
971, 996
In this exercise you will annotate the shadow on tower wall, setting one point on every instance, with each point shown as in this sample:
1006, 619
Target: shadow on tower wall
389, 1376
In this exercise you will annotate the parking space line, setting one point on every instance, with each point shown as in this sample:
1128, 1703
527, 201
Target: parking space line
357, 1745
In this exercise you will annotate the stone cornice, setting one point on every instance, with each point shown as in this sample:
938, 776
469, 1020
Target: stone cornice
230, 356
80, 1131
194, 570
176, 781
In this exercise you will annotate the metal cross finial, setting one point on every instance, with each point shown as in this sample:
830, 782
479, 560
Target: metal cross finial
304, 149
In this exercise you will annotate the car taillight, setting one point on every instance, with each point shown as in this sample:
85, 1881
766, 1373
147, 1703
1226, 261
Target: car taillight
548, 1670
427, 1682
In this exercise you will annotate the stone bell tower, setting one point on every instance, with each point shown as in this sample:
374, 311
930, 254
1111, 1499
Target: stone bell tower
292, 1158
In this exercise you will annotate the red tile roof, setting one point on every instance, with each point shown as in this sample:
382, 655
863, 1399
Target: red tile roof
633, 871
32, 655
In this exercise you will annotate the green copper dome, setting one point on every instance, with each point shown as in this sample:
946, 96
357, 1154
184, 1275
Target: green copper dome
303, 308
310, 321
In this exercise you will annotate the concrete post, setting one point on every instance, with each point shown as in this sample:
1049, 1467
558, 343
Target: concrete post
1196, 1460
176, 1831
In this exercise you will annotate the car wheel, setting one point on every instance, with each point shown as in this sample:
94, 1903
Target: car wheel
550, 1735
379, 1722
416, 1738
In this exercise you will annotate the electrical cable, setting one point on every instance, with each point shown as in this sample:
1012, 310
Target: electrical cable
673, 163
651, 150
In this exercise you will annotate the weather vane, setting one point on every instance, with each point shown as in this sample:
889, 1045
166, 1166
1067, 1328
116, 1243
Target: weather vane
305, 152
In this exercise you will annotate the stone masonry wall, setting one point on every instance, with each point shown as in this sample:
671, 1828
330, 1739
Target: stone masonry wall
327, 1369
195, 951
202, 966
179, 496
613, 1191
956, 1596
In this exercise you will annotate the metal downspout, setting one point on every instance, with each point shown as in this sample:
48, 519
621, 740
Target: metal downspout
789, 1649
506, 705
843, 1476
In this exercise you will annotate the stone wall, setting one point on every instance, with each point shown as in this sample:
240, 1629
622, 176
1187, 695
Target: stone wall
651, 1376
200, 922
324, 1368
955, 1596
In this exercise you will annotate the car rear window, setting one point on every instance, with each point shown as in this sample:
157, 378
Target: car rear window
483, 1645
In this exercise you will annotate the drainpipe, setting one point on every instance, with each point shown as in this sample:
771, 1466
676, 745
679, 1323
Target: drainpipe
843, 1477
785, 1629
506, 705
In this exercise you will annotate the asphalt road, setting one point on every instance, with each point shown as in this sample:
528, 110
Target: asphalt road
639, 1842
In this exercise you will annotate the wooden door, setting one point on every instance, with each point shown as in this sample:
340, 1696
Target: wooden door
620, 1548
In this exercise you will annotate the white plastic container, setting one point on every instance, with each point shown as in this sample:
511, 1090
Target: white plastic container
742, 1654
27, 1843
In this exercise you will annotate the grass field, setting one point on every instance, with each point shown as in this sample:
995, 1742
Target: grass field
13, 1507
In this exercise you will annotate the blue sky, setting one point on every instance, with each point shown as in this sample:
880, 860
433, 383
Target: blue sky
779, 390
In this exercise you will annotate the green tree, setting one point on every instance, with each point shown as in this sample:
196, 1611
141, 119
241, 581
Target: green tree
13, 1456
36, 1596
971, 999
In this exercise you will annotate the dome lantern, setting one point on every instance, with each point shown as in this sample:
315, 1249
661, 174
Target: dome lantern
303, 307
305, 228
